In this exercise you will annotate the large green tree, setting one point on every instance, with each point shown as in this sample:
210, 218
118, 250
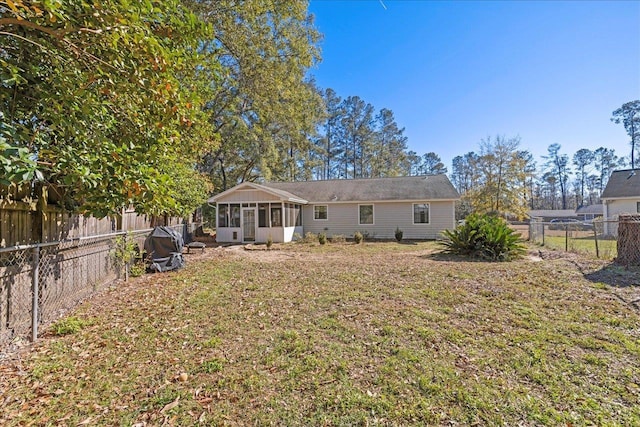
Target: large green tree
357, 135
327, 147
582, 159
500, 186
432, 164
629, 115
388, 146
261, 106
100, 99
558, 165
606, 161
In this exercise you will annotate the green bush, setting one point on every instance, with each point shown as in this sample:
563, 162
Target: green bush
322, 238
398, 233
484, 236
126, 255
269, 242
358, 237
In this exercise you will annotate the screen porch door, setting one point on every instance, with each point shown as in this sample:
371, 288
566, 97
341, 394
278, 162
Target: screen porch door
249, 225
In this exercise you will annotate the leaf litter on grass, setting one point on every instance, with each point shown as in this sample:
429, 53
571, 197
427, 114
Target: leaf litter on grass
341, 334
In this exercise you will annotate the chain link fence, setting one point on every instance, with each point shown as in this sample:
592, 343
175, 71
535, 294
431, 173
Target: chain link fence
616, 238
39, 283
628, 240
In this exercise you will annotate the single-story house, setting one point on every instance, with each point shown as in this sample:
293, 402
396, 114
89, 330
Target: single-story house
590, 212
421, 206
621, 196
549, 214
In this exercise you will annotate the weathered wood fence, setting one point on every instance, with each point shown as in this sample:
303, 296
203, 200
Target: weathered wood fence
24, 223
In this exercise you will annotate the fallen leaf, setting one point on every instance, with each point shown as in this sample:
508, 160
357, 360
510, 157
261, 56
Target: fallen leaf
85, 422
170, 406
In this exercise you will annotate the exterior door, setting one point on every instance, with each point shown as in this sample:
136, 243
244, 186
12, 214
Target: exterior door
249, 225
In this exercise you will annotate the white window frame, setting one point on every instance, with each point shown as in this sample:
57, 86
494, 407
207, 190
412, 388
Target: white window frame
373, 214
315, 218
413, 213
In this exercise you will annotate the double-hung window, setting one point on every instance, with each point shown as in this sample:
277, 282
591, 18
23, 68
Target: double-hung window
320, 212
365, 214
421, 213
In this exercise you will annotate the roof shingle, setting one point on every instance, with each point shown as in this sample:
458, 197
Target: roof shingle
429, 187
622, 183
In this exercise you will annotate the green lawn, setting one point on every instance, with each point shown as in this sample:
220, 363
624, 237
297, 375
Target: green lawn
343, 334
607, 248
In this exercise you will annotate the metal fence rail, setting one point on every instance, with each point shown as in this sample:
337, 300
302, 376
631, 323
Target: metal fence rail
598, 238
40, 282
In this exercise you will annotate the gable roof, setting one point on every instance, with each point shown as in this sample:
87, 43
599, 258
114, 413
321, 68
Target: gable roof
591, 209
281, 194
429, 187
621, 184
552, 213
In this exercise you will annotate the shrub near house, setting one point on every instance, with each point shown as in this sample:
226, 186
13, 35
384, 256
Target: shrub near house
484, 236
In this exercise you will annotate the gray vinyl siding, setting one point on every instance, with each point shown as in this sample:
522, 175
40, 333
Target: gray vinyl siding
615, 208
343, 220
622, 206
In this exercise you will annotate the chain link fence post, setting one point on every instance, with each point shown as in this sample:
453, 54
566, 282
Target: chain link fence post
35, 285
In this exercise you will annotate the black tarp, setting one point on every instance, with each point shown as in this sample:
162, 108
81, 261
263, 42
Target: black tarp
164, 249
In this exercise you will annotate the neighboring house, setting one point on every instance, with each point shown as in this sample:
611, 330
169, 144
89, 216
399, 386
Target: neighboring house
590, 212
549, 214
620, 196
421, 206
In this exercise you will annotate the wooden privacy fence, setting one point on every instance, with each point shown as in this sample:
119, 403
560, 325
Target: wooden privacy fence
24, 223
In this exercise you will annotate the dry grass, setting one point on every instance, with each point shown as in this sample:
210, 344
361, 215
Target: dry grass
342, 334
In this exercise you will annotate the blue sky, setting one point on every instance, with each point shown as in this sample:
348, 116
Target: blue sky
454, 73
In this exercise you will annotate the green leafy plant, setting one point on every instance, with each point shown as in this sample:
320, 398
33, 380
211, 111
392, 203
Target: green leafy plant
137, 269
483, 236
269, 242
358, 237
398, 234
68, 325
212, 366
126, 255
322, 238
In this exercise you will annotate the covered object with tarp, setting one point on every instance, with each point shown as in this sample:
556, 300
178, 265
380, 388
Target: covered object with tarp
164, 249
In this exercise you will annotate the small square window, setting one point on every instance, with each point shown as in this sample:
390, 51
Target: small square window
321, 212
